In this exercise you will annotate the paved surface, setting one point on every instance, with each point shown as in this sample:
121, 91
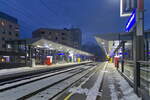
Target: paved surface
103, 83
115, 87
112, 87
84, 89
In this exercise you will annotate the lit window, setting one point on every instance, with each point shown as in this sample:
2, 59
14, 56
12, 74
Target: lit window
2, 23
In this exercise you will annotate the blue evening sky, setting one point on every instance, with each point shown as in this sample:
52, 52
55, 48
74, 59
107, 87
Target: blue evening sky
91, 16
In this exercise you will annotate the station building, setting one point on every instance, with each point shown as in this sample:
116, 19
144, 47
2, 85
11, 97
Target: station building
40, 51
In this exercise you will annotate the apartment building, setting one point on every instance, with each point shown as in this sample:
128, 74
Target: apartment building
69, 37
9, 29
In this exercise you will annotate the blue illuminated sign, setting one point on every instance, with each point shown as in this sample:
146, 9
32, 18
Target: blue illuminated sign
131, 21
78, 55
125, 53
60, 54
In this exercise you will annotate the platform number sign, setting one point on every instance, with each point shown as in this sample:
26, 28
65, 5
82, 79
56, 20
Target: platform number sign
131, 21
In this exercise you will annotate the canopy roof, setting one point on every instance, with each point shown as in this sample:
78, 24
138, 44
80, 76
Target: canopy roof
44, 43
115, 36
120, 36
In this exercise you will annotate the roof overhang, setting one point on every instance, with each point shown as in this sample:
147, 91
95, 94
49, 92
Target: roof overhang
47, 44
115, 36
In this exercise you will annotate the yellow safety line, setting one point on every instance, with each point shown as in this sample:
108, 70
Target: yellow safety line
68, 96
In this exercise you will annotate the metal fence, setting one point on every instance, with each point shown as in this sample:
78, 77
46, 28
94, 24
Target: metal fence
129, 70
145, 78
144, 75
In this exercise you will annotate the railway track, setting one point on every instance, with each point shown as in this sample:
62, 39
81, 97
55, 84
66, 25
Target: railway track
19, 76
10, 78
57, 77
30, 79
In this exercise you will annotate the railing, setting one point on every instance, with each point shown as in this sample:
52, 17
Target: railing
144, 73
145, 76
129, 69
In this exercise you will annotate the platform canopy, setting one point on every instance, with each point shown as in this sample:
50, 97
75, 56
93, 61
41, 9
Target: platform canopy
120, 35
115, 36
107, 40
47, 44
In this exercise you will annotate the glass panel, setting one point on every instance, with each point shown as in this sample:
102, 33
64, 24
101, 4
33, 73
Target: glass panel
145, 77
129, 70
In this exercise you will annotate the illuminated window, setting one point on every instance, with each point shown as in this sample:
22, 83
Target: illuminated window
2, 23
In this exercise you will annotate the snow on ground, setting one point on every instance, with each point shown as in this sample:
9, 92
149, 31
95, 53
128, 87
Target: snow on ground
14, 70
31, 87
94, 91
112, 90
35, 78
28, 88
50, 92
25, 69
79, 89
118, 84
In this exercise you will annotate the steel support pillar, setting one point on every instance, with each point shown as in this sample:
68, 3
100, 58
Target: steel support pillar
123, 53
138, 42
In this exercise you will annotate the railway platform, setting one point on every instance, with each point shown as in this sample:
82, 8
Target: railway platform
105, 84
115, 87
37, 67
92, 81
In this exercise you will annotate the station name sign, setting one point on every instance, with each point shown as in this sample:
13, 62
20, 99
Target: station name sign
131, 21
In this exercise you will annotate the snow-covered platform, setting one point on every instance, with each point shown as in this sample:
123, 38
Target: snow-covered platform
115, 87
4, 72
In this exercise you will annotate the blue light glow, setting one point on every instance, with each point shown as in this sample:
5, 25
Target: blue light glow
60, 54
131, 21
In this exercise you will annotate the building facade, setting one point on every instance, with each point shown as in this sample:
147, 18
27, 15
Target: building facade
77, 37
9, 29
69, 37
